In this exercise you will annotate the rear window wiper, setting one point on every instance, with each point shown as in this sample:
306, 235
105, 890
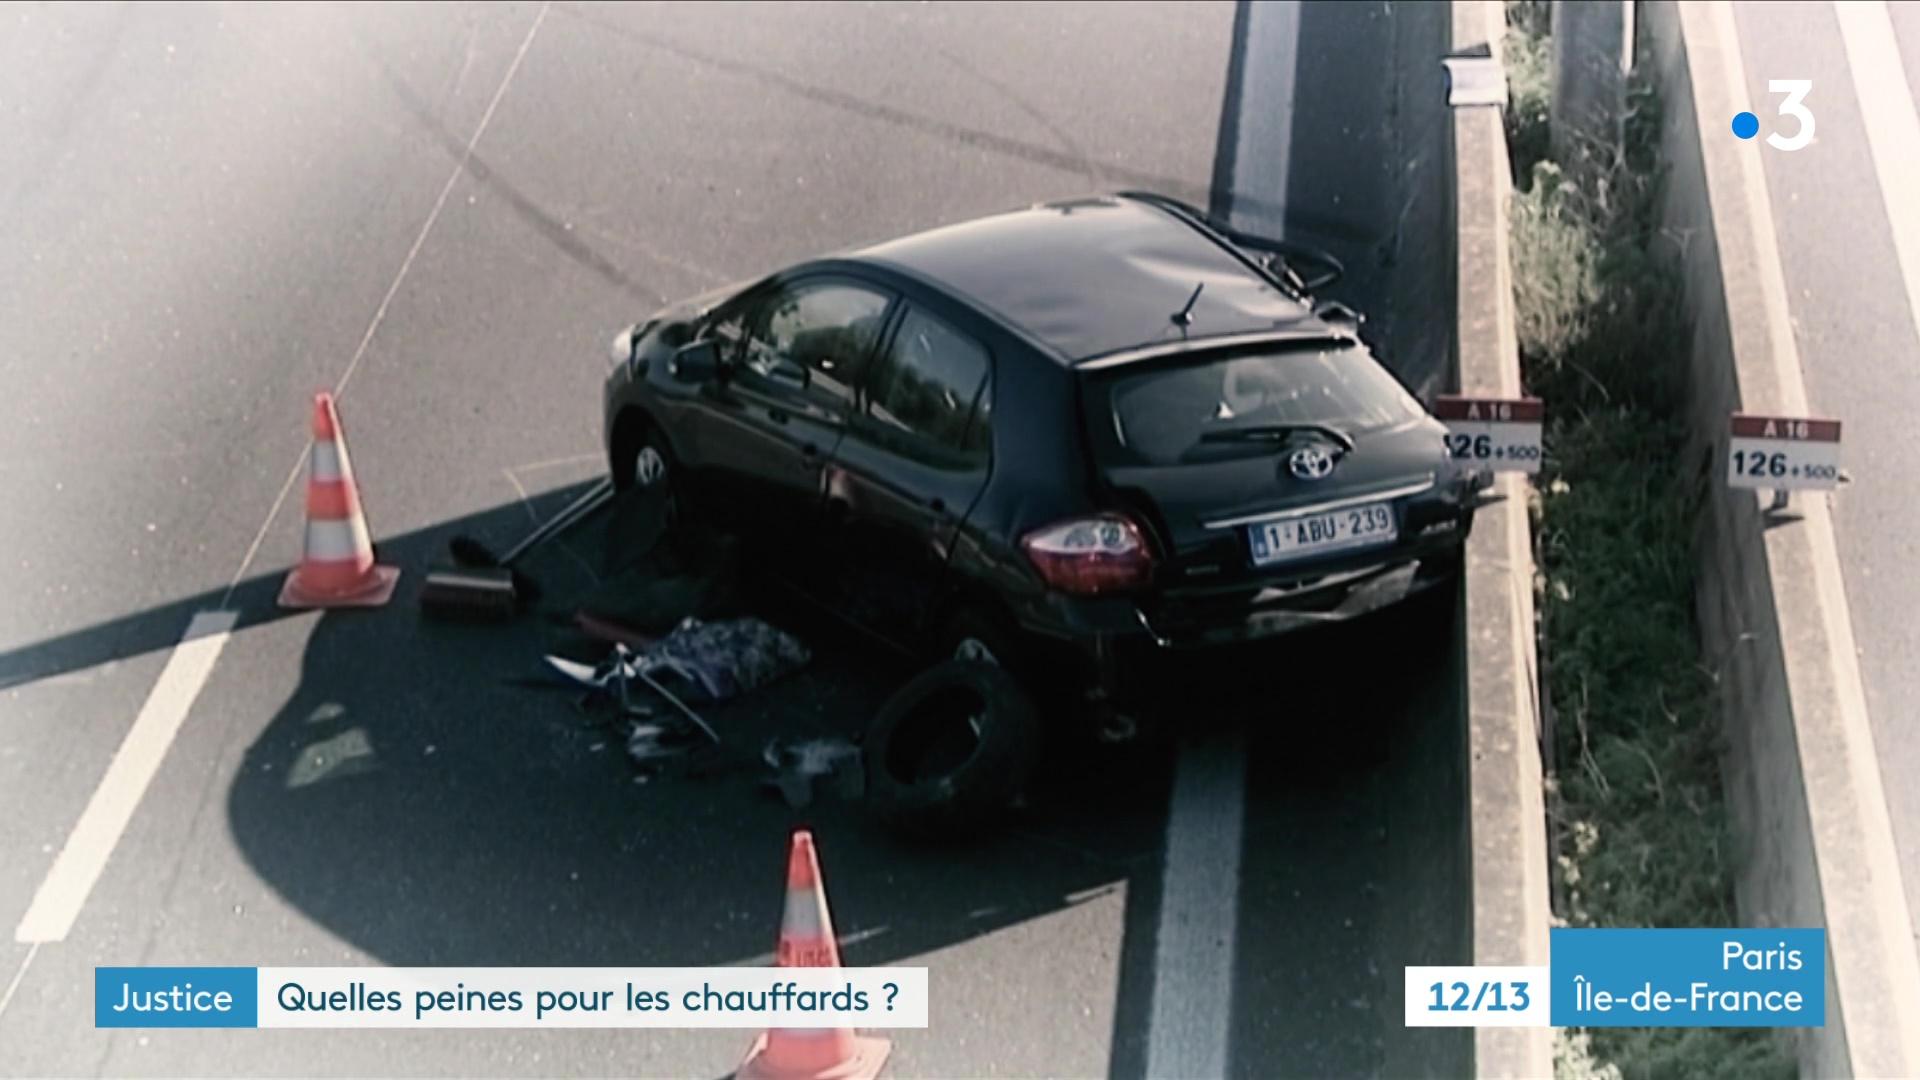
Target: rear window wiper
1277, 433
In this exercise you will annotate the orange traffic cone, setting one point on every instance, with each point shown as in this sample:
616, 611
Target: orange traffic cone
806, 940
337, 568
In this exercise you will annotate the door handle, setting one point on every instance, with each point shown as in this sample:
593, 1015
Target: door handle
778, 415
937, 504
809, 451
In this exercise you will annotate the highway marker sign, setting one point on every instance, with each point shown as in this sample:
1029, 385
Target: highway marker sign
1475, 80
1780, 453
1497, 434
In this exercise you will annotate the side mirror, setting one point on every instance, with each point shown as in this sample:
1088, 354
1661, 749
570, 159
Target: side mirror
697, 363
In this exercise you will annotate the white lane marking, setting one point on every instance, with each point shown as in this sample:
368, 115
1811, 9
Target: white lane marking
439, 204
393, 288
1893, 923
1269, 70
77, 868
1893, 127
260, 535
595, 456
108, 812
25, 963
1193, 950
1893, 135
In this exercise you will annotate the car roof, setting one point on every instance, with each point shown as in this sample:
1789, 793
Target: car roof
1091, 277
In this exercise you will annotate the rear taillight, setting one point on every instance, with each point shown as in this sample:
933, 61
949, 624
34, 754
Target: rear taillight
1100, 554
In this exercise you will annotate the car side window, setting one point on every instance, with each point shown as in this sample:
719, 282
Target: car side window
815, 338
727, 327
928, 397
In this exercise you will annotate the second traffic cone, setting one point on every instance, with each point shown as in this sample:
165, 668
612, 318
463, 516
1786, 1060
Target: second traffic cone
337, 567
806, 940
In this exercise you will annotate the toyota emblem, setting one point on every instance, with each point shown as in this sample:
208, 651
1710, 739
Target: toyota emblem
1310, 463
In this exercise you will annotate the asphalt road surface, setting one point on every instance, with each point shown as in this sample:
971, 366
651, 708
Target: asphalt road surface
1849, 239
209, 212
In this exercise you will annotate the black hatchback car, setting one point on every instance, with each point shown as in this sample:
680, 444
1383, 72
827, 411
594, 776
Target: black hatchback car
1072, 439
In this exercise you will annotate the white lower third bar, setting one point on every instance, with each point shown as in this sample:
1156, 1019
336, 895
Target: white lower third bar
1477, 997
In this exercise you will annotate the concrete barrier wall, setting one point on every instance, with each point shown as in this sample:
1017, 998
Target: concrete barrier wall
1508, 843
1815, 845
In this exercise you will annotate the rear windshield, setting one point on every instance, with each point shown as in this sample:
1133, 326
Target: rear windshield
1163, 415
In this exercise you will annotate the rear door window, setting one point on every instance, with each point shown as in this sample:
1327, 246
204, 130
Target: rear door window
928, 395
1174, 414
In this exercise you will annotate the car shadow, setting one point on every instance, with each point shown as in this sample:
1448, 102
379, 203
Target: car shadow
424, 795
429, 796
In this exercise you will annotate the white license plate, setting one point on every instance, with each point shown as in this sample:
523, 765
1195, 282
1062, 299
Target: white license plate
1313, 534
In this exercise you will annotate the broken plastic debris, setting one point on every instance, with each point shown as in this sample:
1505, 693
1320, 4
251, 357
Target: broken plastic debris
584, 674
814, 757
616, 674
797, 766
652, 742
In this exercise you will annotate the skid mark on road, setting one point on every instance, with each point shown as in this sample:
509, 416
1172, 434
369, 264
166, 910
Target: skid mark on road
557, 232
820, 95
512, 474
75, 871
393, 289
1089, 167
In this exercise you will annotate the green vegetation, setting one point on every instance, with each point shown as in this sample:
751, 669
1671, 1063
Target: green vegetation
1634, 795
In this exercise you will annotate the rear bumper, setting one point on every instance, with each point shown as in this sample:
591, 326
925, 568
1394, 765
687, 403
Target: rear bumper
1249, 617
1130, 653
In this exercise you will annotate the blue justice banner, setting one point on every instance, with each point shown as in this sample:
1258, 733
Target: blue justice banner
156, 997
1689, 978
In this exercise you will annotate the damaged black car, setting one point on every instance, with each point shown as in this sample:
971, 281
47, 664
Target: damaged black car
1079, 440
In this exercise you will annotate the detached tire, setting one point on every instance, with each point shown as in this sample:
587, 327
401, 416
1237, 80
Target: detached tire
952, 751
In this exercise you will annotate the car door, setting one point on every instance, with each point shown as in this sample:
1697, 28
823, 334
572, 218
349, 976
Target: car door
915, 458
793, 355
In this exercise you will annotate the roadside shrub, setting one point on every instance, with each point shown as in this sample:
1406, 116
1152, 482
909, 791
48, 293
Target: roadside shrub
1634, 794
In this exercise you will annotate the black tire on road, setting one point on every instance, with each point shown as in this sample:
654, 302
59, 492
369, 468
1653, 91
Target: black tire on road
952, 751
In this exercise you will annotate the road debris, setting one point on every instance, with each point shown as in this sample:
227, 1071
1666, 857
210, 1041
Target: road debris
649, 743
798, 766
485, 594
951, 753
728, 658
614, 676
485, 587
469, 552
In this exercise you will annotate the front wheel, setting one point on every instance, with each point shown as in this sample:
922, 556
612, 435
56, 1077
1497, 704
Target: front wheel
652, 470
639, 455
645, 510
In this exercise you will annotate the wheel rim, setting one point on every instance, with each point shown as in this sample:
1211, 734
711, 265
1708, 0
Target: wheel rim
649, 468
975, 650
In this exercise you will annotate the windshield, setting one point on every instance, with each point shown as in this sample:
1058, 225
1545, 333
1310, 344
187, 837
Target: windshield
1168, 415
